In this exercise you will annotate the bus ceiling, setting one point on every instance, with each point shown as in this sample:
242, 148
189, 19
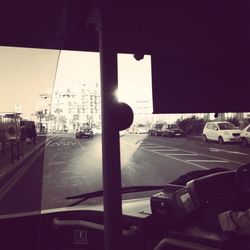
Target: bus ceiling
200, 49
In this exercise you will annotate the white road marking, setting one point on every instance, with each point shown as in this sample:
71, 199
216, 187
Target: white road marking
217, 158
209, 156
167, 156
227, 151
153, 146
56, 163
168, 150
82, 148
183, 154
62, 143
208, 161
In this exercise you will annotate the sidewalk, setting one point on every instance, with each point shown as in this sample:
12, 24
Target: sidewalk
6, 165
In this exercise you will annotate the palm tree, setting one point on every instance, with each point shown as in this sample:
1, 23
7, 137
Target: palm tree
61, 119
50, 118
40, 114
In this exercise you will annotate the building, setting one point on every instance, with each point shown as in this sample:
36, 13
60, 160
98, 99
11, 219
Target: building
63, 110
71, 109
89, 106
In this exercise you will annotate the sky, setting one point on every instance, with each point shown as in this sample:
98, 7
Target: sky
76, 68
134, 77
26, 73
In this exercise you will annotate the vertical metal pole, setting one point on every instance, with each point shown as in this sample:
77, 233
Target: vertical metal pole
11, 152
18, 150
17, 134
110, 134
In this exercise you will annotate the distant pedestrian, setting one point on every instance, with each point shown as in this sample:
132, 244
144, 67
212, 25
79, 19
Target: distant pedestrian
33, 133
23, 133
28, 133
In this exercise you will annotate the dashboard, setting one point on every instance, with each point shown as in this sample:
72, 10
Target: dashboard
217, 191
175, 216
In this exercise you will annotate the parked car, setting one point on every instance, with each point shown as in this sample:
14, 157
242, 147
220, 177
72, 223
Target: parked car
171, 130
97, 130
140, 129
84, 132
221, 131
156, 129
245, 136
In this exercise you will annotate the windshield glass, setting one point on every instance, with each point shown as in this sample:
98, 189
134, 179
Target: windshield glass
49, 97
158, 126
172, 126
225, 125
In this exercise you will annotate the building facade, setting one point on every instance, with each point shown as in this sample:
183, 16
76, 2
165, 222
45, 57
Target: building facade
71, 110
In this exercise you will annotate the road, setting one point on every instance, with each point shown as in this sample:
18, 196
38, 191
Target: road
70, 166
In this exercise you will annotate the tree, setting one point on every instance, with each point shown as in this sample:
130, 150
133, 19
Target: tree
60, 119
58, 111
51, 119
234, 120
63, 121
191, 125
40, 115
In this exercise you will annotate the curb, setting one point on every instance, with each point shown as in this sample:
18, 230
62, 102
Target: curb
10, 169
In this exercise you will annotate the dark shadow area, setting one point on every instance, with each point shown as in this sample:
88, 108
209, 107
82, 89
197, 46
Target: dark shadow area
26, 193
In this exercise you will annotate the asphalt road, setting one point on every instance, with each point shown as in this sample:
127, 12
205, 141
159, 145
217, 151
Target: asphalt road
70, 166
